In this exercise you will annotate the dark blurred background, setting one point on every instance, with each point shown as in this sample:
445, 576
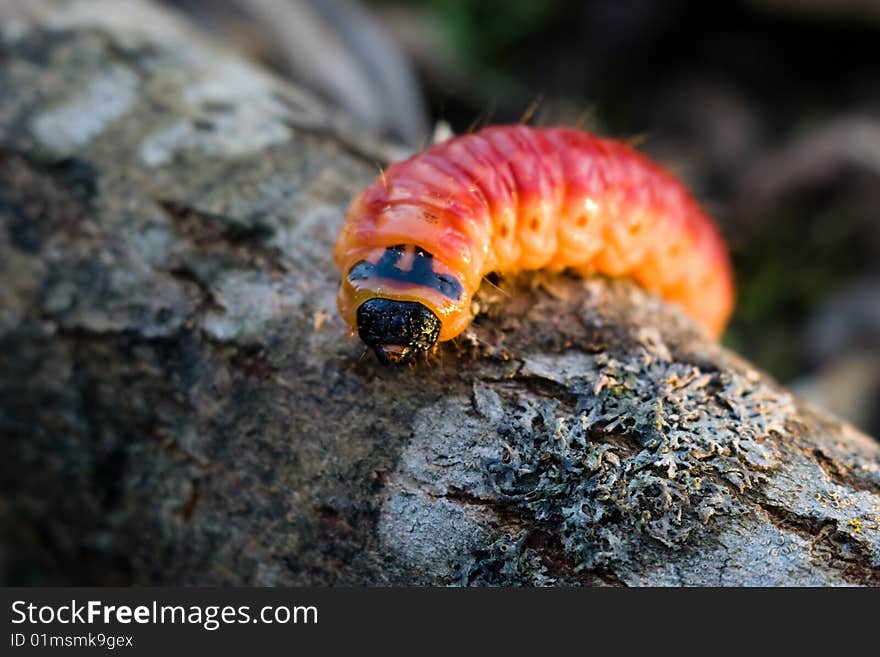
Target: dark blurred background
768, 109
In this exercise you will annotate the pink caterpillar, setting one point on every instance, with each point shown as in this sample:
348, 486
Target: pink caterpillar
418, 241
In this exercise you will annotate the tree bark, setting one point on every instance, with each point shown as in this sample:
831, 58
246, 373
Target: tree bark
180, 402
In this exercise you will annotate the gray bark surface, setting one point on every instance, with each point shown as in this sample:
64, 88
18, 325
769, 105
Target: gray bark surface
180, 404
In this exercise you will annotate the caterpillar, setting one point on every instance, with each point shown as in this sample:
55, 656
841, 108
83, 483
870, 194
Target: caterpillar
417, 242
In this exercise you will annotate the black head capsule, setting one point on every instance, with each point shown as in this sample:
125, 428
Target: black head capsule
396, 329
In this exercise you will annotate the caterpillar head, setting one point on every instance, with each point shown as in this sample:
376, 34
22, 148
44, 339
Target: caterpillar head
395, 330
401, 300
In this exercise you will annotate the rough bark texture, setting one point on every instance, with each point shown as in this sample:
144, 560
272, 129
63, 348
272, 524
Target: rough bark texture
179, 402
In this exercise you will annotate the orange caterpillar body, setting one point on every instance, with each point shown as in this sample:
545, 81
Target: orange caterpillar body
418, 241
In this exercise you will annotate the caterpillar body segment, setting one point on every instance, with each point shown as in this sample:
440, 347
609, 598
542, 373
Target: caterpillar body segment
420, 239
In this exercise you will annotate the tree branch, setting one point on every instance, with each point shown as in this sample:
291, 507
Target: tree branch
180, 405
